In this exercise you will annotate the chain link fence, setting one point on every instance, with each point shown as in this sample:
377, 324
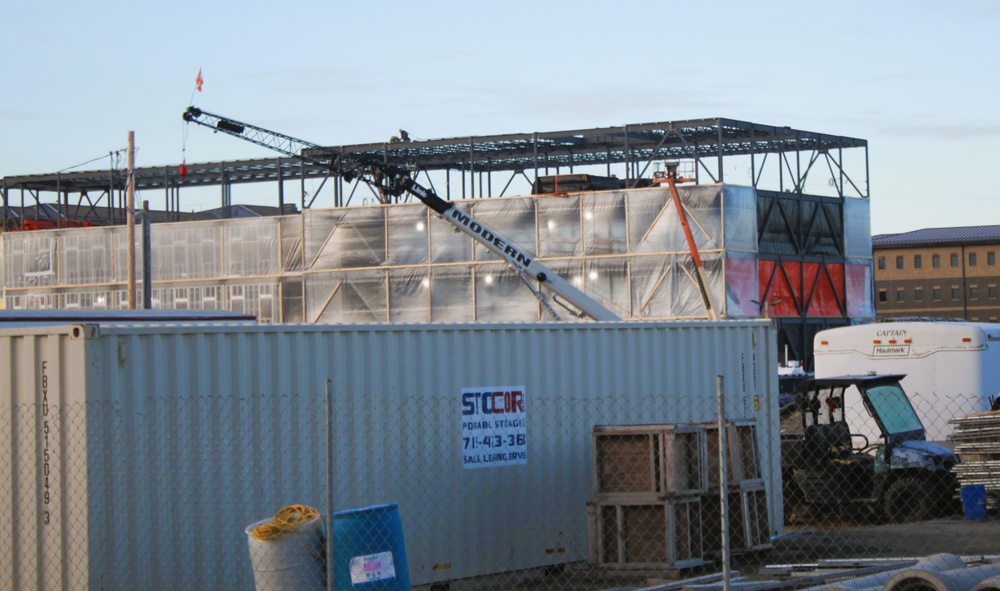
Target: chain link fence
620, 495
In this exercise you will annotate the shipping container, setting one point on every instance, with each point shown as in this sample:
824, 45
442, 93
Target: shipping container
134, 455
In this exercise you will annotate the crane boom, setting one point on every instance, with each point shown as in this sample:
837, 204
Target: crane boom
278, 142
396, 181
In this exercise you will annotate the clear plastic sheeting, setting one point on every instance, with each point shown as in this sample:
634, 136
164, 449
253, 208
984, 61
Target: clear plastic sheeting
501, 295
452, 293
30, 259
742, 286
655, 226
346, 238
86, 256
185, 251
403, 263
342, 297
664, 286
559, 227
407, 244
857, 228
740, 219
858, 277
252, 247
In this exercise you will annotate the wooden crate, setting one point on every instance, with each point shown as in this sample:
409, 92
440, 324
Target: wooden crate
644, 535
749, 527
649, 460
742, 453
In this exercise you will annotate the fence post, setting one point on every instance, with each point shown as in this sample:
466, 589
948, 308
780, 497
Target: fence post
329, 486
723, 481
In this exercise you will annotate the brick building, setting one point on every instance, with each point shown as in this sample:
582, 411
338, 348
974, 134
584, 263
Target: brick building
938, 272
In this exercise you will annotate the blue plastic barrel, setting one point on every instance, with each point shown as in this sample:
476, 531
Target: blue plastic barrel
974, 501
368, 550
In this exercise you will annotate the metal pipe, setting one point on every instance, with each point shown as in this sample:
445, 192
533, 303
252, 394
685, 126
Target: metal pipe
130, 220
329, 485
723, 482
147, 259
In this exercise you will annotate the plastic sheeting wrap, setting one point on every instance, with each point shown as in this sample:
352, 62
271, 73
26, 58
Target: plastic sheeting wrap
559, 227
30, 259
87, 256
407, 243
740, 219
742, 286
185, 251
347, 238
403, 263
664, 287
860, 299
252, 247
654, 225
857, 228
358, 296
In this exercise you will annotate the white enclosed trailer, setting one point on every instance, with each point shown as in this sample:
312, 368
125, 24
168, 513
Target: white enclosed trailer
133, 456
952, 368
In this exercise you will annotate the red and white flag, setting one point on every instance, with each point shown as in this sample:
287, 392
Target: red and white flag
198, 81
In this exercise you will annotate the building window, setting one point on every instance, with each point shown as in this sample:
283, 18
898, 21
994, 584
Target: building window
918, 294
899, 262
991, 258
883, 297
881, 263
991, 292
954, 294
900, 295
954, 259
936, 261
973, 292
918, 261
936, 294
972, 259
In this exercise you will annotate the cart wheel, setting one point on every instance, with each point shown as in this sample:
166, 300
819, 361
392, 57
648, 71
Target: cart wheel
907, 500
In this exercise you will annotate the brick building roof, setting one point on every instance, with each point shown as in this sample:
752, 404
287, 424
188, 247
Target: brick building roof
939, 236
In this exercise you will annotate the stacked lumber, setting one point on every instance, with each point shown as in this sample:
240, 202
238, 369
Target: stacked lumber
976, 440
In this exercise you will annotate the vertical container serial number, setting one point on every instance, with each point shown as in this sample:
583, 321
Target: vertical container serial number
46, 490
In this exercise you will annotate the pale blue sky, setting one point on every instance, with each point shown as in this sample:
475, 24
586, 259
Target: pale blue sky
919, 79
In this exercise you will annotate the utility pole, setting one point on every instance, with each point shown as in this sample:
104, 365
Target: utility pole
130, 217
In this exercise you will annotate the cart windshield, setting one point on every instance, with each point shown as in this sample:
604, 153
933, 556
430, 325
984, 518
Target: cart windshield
893, 409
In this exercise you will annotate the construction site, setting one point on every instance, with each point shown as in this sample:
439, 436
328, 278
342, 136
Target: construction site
550, 358
349, 251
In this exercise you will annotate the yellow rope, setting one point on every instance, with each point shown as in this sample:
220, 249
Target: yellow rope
286, 521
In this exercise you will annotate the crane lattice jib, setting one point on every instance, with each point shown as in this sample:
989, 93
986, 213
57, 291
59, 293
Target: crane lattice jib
278, 142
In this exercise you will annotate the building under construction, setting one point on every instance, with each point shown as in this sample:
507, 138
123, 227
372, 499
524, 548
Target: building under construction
780, 218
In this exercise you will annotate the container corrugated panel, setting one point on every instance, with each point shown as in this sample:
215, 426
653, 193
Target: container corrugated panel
174, 438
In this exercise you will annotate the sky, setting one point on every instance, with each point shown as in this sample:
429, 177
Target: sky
917, 79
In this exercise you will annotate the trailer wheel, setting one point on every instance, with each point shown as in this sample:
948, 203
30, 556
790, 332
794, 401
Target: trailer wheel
907, 500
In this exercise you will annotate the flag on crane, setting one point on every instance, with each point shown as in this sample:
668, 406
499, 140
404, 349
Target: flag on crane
198, 81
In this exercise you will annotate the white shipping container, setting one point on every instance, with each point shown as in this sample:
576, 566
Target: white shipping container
133, 456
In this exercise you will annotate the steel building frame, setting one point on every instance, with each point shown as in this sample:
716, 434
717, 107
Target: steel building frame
708, 143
